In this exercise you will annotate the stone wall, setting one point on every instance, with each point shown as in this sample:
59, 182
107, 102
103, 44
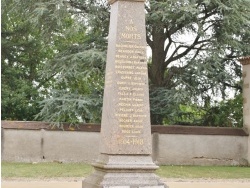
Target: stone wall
172, 145
181, 149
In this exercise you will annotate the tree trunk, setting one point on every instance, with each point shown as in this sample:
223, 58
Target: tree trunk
157, 69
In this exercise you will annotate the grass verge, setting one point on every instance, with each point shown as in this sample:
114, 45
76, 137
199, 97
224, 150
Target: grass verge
207, 172
45, 170
55, 170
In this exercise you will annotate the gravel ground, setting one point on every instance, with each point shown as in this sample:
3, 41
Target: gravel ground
172, 183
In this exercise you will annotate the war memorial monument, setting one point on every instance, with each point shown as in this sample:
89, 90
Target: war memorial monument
125, 144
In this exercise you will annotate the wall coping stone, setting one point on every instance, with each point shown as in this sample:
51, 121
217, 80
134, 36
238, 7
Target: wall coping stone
87, 127
245, 60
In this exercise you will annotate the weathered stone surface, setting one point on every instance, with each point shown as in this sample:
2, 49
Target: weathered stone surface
125, 118
121, 180
126, 144
245, 61
200, 150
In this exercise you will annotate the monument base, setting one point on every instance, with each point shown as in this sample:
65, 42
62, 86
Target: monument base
124, 171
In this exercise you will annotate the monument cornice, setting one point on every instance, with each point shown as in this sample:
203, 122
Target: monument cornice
113, 1
245, 60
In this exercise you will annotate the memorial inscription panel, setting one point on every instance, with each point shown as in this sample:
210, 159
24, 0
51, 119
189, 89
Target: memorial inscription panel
126, 106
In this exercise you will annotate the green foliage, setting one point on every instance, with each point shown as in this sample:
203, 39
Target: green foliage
163, 104
26, 50
78, 71
195, 45
186, 115
76, 94
227, 113
22, 55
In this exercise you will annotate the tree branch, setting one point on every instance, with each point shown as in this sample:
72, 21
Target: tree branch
149, 41
238, 86
188, 49
79, 6
170, 41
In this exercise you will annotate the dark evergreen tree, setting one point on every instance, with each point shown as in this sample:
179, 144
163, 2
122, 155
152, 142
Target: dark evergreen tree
195, 45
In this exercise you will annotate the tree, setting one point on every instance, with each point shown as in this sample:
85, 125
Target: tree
78, 69
206, 63
182, 72
22, 55
228, 113
26, 48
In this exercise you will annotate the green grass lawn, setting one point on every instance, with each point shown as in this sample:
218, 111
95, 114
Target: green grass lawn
214, 172
45, 170
54, 170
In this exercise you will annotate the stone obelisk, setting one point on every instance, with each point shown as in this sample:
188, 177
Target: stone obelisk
125, 144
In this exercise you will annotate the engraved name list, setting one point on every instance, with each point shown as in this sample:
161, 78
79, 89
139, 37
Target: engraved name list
131, 71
